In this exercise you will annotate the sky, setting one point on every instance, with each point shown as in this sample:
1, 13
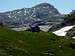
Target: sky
63, 6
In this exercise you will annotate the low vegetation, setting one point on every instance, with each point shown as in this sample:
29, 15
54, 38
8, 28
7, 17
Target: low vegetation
14, 43
70, 18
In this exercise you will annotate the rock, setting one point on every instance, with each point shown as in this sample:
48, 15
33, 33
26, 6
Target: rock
1, 24
56, 27
35, 29
71, 32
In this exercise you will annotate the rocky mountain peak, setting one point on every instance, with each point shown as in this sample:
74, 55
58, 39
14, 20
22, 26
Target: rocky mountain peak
44, 4
44, 12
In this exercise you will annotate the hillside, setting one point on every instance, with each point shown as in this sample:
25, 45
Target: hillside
14, 43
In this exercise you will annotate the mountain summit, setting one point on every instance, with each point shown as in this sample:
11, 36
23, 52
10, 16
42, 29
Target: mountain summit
43, 12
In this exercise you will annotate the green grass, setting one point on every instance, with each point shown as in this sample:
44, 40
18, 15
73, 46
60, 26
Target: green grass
14, 43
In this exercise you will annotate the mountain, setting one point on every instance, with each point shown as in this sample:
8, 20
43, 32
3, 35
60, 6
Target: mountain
43, 12
73, 11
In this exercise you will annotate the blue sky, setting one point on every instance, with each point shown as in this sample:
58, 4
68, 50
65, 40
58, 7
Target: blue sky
64, 6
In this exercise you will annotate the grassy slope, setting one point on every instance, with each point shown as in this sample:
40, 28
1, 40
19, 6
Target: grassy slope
33, 44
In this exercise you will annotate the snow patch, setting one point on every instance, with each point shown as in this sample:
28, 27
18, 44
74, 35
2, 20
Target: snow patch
9, 16
25, 11
19, 12
63, 31
20, 28
45, 28
44, 7
73, 37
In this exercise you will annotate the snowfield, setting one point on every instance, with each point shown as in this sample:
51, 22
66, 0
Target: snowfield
20, 28
63, 31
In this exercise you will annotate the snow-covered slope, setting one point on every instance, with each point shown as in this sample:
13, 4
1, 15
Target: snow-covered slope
63, 31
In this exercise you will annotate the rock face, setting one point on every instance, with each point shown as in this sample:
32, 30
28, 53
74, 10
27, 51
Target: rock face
57, 27
42, 12
71, 32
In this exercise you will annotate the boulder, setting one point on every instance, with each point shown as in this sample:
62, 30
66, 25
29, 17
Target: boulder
35, 29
